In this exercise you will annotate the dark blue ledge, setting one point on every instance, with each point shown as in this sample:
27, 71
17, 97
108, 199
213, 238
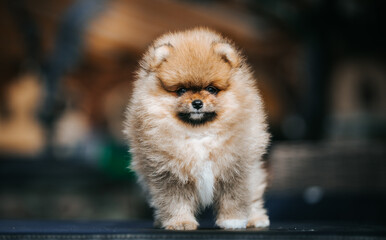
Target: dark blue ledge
19, 229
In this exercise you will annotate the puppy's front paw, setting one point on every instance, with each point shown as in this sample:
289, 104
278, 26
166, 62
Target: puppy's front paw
261, 221
183, 225
232, 223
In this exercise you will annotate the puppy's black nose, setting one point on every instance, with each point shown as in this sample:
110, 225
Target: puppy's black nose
197, 104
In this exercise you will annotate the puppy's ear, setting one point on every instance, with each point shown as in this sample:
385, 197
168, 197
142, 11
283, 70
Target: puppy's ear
227, 53
160, 54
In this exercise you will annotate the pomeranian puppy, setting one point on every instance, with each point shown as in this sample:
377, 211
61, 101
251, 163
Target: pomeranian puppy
197, 132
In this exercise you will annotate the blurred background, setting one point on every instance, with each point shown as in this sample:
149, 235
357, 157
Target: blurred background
66, 71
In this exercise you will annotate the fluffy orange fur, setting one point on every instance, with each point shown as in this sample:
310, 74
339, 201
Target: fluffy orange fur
189, 156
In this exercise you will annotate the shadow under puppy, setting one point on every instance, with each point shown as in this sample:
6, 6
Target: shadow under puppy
197, 132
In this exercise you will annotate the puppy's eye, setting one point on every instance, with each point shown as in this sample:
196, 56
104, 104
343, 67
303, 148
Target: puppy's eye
211, 90
181, 91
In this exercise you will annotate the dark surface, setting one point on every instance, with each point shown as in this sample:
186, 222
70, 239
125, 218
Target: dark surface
18, 229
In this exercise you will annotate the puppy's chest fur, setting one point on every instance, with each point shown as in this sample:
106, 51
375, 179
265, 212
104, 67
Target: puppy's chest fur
203, 168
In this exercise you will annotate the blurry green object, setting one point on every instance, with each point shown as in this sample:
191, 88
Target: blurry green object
115, 160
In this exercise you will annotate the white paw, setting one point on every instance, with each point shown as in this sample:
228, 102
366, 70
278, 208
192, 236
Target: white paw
259, 222
181, 223
185, 225
232, 223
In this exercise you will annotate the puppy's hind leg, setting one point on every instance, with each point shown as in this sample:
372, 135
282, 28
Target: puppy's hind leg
175, 204
181, 217
258, 217
232, 205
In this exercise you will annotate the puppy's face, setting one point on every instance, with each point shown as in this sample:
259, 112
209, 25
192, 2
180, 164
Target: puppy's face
197, 106
197, 78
